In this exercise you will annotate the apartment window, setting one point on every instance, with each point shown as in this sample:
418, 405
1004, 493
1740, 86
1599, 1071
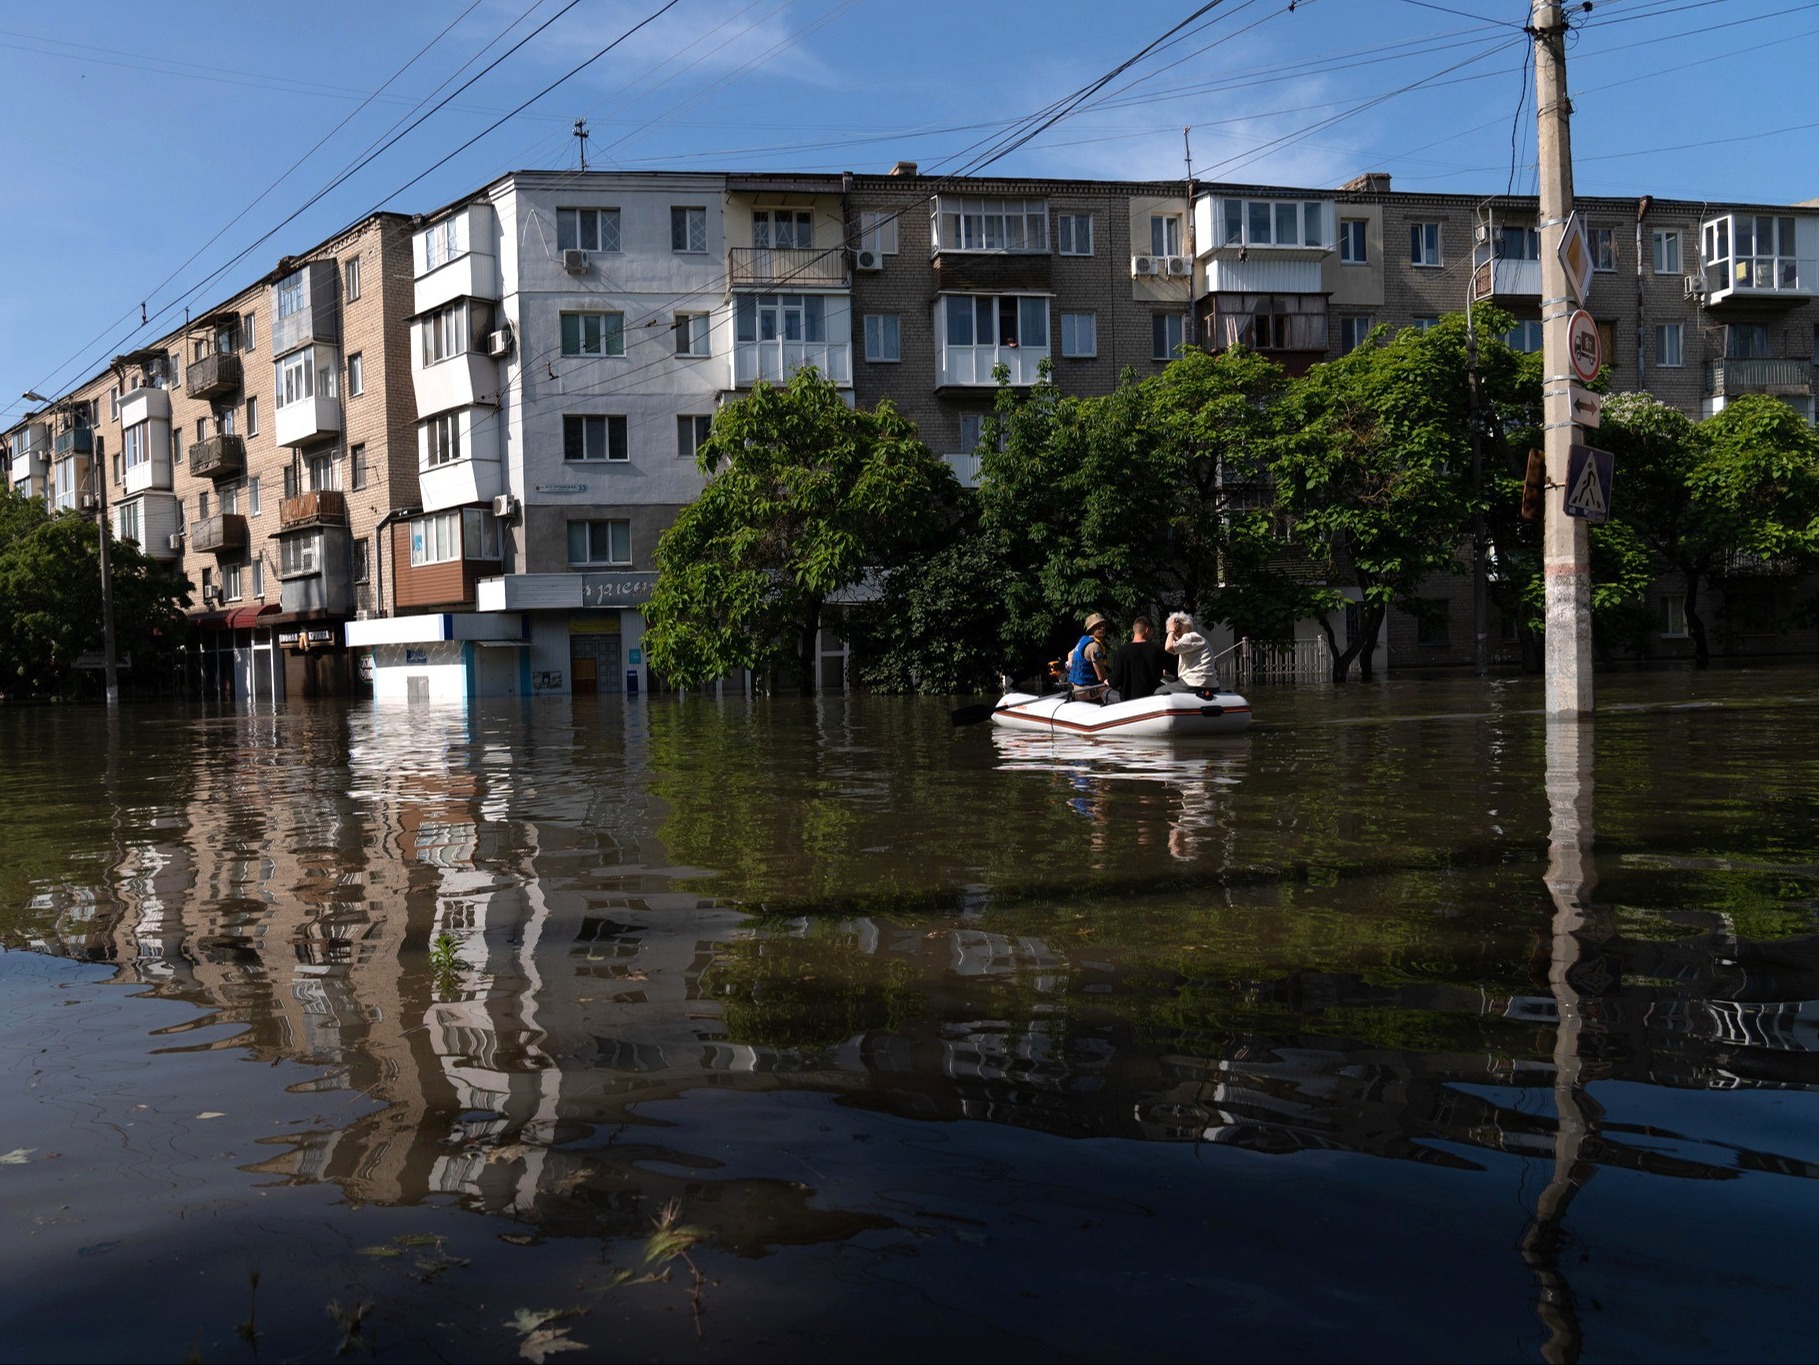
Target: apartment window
258, 578
201, 430
1667, 251
479, 534
1524, 336
230, 498
1421, 324
691, 333
1168, 334
296, 378
362, 560
1673, 616
883, 337
356, 375
977, 224
593, 334
1607, 343
202, 506
784, 229
119, 467
1670, 351
137, 445
446, 333
113, 402
1432, 626
182, 522
1353, 332
691, 433
300, 555
1604, 249
1271, 222
176, 447
1747, 341
357, 462
249, 331
436, 539
252, 415
599, 542
1004, 320
442, 243
587, 229
351, 278
1424, 243
292, 295
1074, 234
688, 229
227, 420
1079, 334
1351, 241
230, 582
442, 440
1165, 234
1513, 243
208, 584
878, 232
252, 496
594, 438
290, 481
780, 317
127, 522
322, 471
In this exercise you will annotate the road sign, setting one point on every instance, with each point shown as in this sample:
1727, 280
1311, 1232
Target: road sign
1588, 482
1582, 345
1588, 407
1576, 255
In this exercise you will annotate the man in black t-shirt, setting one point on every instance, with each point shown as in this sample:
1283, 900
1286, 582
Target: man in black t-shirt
1137, 667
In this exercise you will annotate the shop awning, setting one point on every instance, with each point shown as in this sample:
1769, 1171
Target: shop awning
244, 618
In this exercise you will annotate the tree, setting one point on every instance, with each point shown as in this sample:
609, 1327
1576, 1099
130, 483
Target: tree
50, 601
807, 497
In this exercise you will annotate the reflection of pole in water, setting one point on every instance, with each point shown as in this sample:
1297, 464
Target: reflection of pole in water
1570, 879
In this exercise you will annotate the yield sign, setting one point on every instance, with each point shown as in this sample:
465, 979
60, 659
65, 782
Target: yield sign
1588, 482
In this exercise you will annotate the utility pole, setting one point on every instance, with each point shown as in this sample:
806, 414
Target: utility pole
581, 140
1566, 551
1481, 651
1190, 333
98, 463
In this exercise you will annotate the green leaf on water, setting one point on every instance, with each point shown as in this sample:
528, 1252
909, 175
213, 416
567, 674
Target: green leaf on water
385, 1252
16, 1157
417, 1239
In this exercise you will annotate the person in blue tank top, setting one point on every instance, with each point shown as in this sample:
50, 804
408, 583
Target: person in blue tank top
1089, 664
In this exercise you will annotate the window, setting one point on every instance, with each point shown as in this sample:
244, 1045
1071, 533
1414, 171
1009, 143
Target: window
1424, 243
442, 444
252, 415
113, 402
202, 506
688, 229
1351, 241
878, 232
599, 542
1667, 251
445, 333
883, 337
1604, 248
972, 432
296, 378
970, 224
1074, 234
1421, 324
784, 229
252, 496
300, 555
127, 524
230, 582
290, 481
436, 539
1165, 234
1079, 334
258, 578
357, 461
691, 333
176, 447
351, 275
363, 568
1669, 345
587, 229
292, 294
1168, 335
1747, 341
594, 438
322, 471
691, 432
1353, 332
1524, 336
356, 375
779, 317
201, 430
230, 498
442, 243
249, 331
593, 334
137, 445
1004, 320
1607, 344
1432, 626
479, 534
1673, 616
1270, 222
208, 583
1512, 243
182, 522
227, 419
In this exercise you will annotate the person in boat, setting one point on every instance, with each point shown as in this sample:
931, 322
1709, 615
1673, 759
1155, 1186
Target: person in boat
1193, 656
1089, 663
1139, 665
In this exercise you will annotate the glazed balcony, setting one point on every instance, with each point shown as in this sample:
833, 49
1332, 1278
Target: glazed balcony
222, 534
777, 267
219, 457
213, 376
323, 507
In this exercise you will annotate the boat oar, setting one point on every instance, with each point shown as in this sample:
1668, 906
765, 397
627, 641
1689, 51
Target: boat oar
972, 715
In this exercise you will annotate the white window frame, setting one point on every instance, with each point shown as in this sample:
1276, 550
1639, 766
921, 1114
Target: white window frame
1673, 616
445, 334
1354, 331
443, 443
136, 445
1526, 337
1607, 238
693, 333
350, 274
608, 342
357, 468
1165, 234
252, 496
1670, 339
436, 538
1071, 344
1354, 241
1668, 257
1426, 245
252, 414
589, 229
1073, 234
292, 294
356, 374
691, 431
688, 229
884, 338
615, 558
990, 225
442, 243
249, 331
296, 377
1161, 327
608, 443
878, 231
230, 583
479, 533
1262, 223
783, 229
259, 578
129, 522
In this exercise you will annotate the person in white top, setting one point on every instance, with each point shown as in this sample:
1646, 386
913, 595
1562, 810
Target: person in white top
1193, 656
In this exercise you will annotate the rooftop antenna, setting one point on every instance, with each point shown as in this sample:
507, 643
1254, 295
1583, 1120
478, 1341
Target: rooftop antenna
581, 138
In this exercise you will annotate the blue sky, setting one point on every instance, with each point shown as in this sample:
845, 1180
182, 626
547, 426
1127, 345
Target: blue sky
142, 135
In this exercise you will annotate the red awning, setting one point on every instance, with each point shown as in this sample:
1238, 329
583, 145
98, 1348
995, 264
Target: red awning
244, 618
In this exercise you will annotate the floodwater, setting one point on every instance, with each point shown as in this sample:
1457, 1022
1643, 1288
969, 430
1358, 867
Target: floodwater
1402, 1028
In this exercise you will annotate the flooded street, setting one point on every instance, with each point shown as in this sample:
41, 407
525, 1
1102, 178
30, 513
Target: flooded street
822, 1029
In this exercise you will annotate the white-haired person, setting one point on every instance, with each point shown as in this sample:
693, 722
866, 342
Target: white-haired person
1194, 669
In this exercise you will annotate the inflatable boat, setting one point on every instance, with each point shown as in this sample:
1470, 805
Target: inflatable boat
1173, 715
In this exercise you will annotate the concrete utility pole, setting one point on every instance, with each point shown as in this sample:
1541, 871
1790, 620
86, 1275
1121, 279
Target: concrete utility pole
104, 529
1566, 551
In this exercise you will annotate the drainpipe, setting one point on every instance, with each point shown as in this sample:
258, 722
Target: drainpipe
1642, 207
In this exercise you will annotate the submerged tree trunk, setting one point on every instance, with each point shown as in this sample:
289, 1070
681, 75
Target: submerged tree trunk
1372, 621
1695, 624
809, 647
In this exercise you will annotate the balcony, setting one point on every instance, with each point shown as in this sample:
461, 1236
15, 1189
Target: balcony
1506, 278
303, 420
213, 376
965, 467
1784, 378
969, 366
222, 534
324, 507
1760, 258
74, 441
764, 267
775, 361
219, 457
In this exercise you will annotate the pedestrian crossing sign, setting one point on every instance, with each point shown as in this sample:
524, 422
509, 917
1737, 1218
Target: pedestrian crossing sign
1588, 482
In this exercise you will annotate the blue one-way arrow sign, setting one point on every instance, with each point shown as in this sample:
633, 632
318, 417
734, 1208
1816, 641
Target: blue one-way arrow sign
1588, 482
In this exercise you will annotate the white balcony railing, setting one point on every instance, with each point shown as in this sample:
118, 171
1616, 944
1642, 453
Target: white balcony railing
780, 267
1505, 278
775, 361
973, 365
965, 467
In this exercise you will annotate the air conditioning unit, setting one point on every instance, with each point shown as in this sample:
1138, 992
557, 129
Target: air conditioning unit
1180, 267
499, 343
1695, 286
89, 502
505, 506
1145, 266
1482, 233
210, 596
575, 262
176, 541
868, 260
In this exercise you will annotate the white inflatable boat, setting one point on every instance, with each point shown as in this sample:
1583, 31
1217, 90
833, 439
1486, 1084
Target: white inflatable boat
1174, 715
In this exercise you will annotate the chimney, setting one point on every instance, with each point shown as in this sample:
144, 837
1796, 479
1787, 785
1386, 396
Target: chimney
904, 168
1371, 182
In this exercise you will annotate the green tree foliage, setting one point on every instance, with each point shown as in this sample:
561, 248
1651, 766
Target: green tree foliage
50, 601
806, 497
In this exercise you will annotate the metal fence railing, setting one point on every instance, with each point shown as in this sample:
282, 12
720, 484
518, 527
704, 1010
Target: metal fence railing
1276, 661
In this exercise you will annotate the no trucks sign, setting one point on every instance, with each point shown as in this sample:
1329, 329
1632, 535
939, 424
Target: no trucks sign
1582, 346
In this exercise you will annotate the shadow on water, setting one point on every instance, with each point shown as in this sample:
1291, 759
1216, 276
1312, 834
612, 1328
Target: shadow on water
1348, 1035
